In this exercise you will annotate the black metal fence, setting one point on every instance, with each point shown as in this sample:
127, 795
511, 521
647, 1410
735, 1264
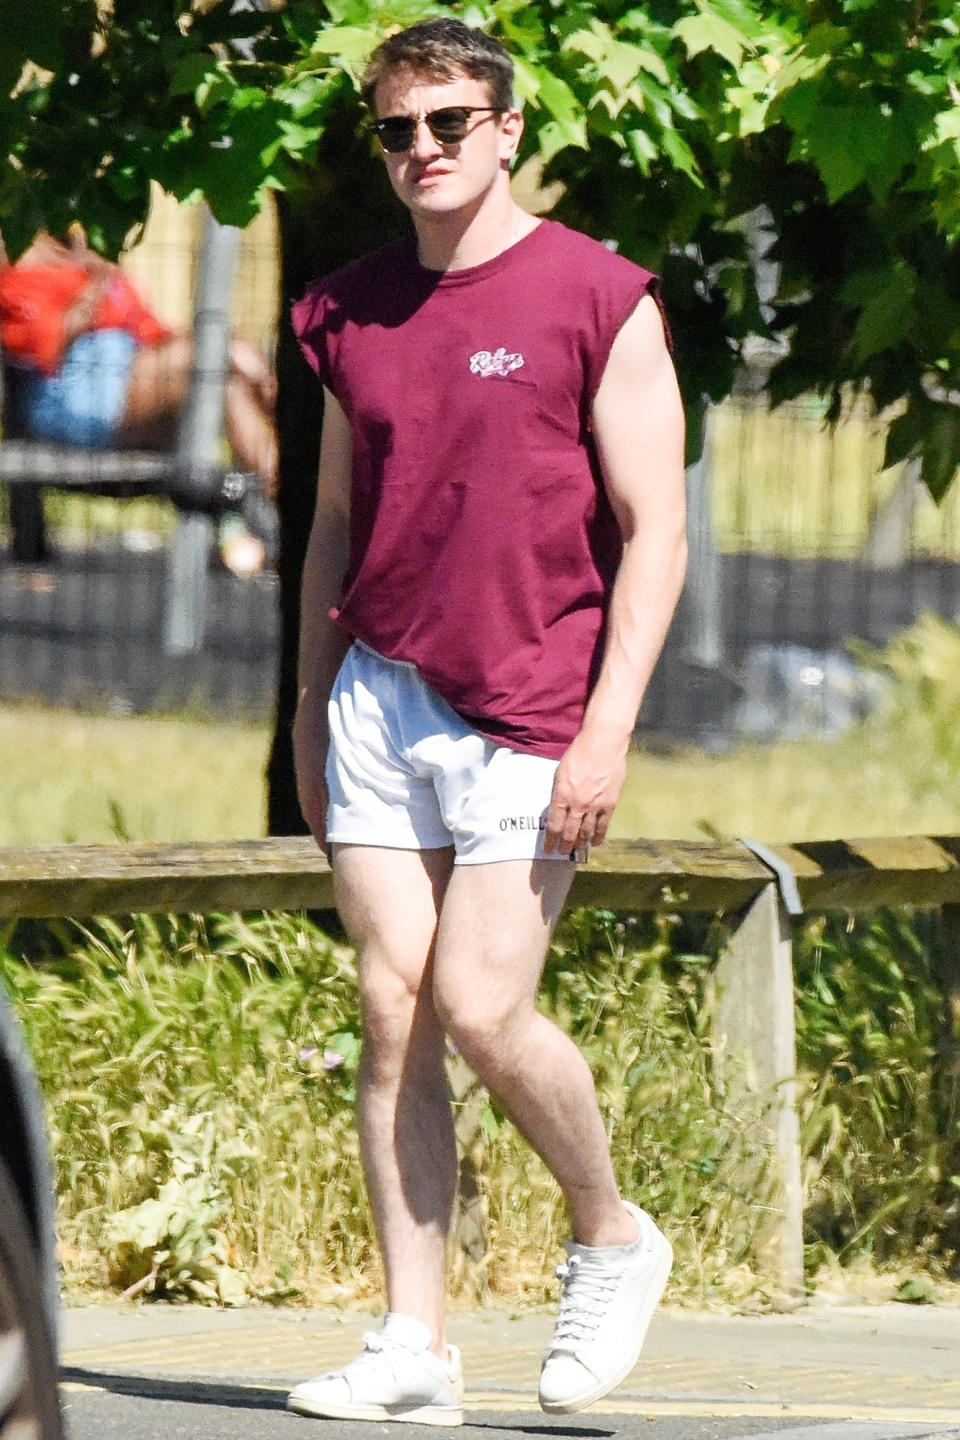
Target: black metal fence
801, 543
88, 625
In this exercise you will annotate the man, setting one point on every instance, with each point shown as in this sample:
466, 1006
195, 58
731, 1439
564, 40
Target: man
497, 553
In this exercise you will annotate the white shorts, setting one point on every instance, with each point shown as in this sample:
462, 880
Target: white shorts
405, 771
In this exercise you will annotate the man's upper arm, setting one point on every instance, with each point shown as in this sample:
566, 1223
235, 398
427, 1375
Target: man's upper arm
336, 460
638, 424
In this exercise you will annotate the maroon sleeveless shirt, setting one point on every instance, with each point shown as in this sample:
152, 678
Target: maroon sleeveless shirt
482, 543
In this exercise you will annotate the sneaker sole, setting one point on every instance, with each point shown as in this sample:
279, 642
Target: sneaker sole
603, 1387
422, 1415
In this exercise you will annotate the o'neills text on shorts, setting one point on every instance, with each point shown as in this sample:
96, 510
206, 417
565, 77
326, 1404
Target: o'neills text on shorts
523, 822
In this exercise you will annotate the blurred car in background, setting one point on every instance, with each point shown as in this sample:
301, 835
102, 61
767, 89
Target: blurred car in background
29, 1291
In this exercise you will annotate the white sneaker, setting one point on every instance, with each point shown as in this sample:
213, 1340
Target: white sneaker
609, 1296
395, 1378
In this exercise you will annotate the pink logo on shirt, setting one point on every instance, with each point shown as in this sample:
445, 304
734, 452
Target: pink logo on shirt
498, 362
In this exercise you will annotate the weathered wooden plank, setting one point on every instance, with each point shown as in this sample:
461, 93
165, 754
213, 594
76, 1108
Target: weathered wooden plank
753, 1031
862, 874
79, 880
673, 874
291, 873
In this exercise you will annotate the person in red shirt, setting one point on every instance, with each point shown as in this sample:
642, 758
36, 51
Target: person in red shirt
498, 549
98, 369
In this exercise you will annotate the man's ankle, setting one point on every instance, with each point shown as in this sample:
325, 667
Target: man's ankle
619, 1228
436, 1341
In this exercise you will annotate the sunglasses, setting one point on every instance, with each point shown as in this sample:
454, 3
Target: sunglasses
448, 126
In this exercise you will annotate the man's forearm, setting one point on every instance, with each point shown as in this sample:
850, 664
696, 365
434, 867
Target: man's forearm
323, 642
644, 598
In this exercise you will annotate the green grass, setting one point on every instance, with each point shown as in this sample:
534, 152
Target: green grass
199, 1079
199, 1083
868, 783
89, 777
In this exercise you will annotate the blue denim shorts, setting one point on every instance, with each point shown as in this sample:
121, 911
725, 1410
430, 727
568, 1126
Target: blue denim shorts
83, 403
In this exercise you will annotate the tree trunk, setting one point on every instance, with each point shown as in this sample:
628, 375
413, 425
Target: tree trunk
347, 211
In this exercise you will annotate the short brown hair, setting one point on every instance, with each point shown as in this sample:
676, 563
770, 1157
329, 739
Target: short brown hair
443, 49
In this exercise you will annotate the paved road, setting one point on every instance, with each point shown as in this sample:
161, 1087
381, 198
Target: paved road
822, 1373
105, 1407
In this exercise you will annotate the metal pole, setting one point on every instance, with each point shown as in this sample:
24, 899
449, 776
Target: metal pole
200, 438
703, 632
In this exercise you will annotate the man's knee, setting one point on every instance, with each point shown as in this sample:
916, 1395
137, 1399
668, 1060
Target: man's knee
480, 1026
387, 997
395, 1005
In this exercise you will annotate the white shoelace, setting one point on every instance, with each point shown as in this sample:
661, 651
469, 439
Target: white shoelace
377, 1350
584, 1303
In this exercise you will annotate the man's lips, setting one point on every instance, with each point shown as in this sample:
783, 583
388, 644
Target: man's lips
421, 177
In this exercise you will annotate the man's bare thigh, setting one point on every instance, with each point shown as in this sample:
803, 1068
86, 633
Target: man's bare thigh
389, 901
495, 924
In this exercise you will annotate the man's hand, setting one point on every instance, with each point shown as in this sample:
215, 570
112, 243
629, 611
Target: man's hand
310, 744
586, 788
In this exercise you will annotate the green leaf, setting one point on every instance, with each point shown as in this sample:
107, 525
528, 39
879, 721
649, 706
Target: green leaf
489, 1123
946, 126
526, 79
346, 42
617, 61
680, 155
834, 138
886, 321
190, 73
642, 148
348, 1044
710, 31
568, 122
887, 295
940, 450
36, 31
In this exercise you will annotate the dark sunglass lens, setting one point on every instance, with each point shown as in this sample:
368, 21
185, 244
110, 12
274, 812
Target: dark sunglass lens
450, 125
396, 133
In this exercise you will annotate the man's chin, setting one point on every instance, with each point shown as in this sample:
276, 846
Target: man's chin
435, 196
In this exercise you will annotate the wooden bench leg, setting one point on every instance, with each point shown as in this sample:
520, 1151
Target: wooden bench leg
754, 1038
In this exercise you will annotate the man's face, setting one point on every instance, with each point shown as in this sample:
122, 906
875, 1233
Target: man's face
434, 179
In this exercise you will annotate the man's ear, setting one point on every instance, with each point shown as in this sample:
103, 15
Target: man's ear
511, 131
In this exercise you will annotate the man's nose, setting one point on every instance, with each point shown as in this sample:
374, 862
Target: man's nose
424, 144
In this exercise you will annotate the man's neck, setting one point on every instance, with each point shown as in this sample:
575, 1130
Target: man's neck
451, 242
